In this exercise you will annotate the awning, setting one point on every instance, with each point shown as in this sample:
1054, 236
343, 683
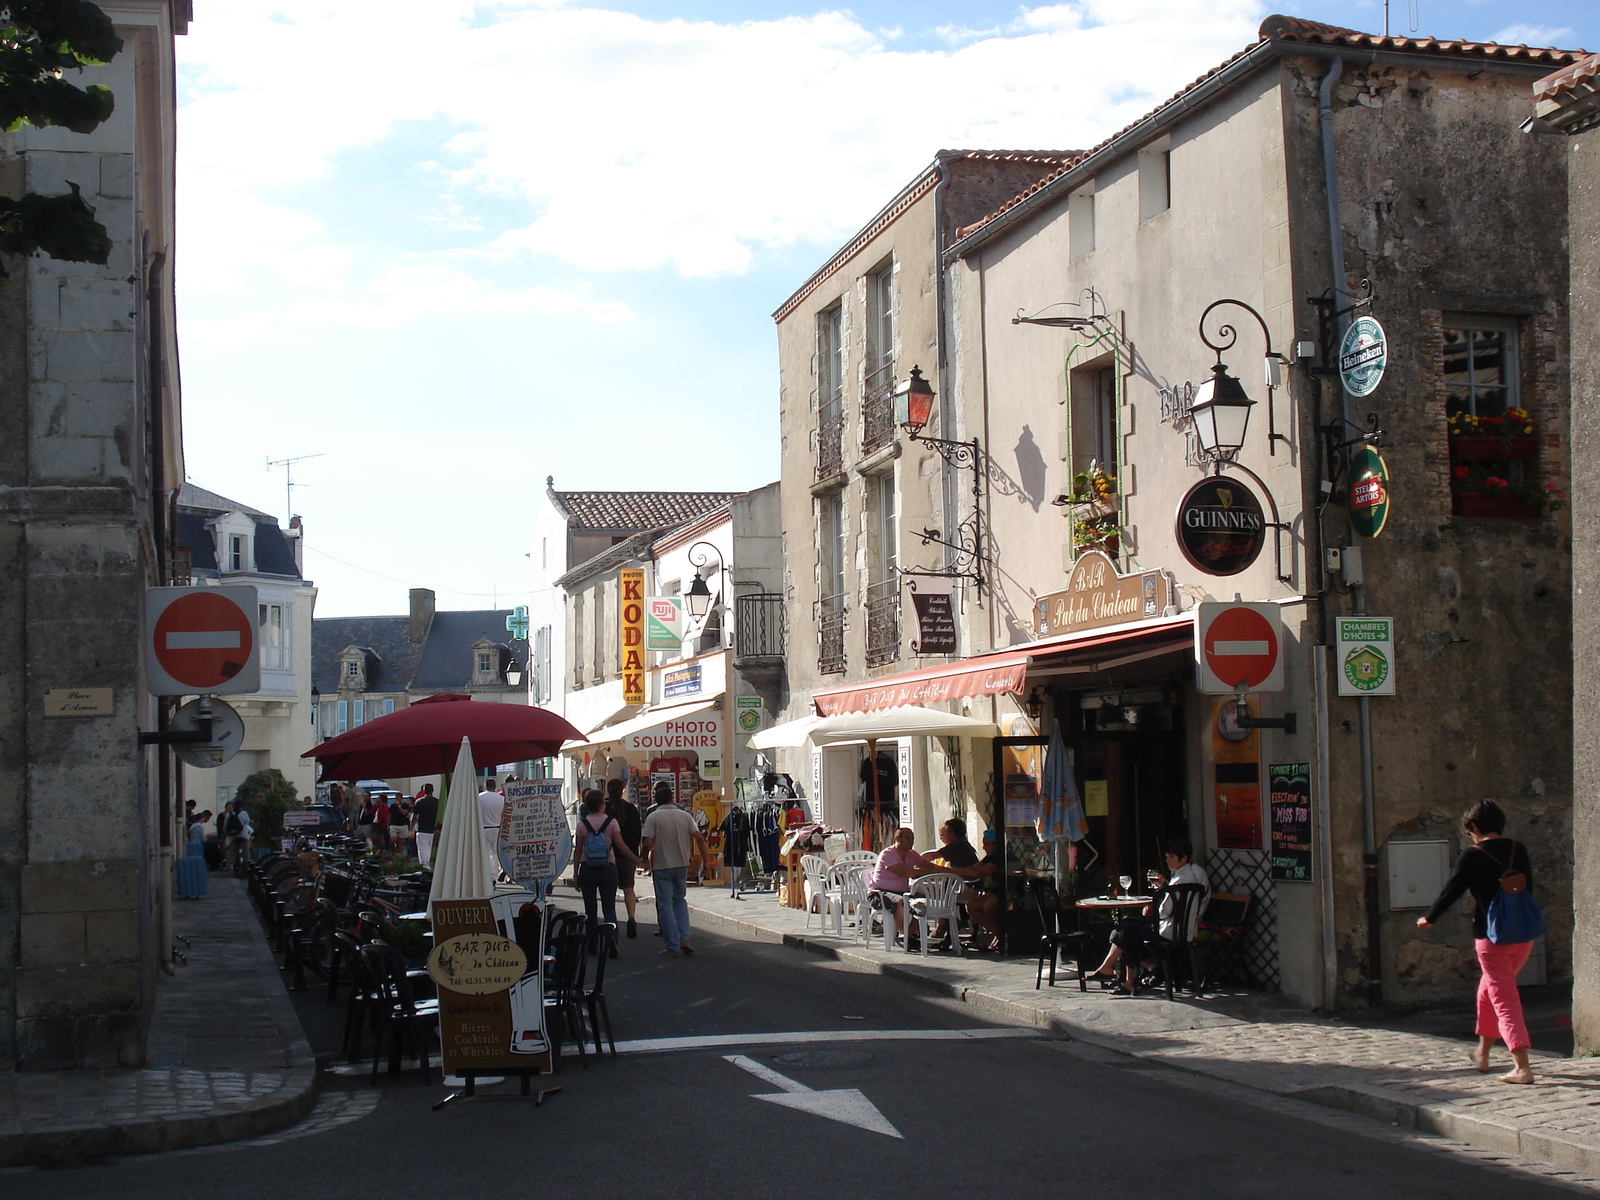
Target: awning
642, 723
788, 736
910, 721
1004, 671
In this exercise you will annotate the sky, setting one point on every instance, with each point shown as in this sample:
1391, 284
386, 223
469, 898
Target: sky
441, 249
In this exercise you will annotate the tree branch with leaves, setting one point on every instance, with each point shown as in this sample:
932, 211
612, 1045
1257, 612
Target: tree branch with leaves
40, 42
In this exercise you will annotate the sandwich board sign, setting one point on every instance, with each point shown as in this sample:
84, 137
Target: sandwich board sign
1238, 646
201, 641
1364, 656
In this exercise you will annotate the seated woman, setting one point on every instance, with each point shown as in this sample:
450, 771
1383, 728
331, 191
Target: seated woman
1156, 919
981, 892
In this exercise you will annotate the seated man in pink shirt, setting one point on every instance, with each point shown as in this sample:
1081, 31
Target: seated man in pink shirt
891, 877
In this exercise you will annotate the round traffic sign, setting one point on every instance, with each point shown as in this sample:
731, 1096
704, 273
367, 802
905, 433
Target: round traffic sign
227, 734
1241, 646
203, 640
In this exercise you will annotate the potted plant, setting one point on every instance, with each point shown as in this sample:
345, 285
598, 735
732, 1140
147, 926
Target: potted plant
1509, 436
1479, 491
1095, 505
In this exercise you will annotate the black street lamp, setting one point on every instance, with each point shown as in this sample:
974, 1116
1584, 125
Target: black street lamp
1221, 413
913, 406
699, 595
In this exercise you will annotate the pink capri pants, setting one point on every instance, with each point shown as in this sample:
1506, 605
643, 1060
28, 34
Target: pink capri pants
1499, 1003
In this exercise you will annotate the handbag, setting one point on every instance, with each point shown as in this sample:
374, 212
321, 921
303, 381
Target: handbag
1514, 915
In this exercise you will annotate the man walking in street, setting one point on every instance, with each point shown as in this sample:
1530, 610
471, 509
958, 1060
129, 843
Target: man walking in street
425, 813
631, 824
237, 830
491, 806
671, 839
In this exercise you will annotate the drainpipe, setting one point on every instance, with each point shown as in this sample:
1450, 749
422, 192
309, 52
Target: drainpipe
947, 405
1369, 818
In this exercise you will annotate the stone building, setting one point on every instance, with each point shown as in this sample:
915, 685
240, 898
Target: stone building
363, 668
90, 458
856, 497
1567, 103
1073, 356
225, 543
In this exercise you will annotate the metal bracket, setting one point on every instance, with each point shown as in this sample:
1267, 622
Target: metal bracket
182, 737
1245, 719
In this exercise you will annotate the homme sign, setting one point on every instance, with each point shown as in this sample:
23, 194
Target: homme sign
201, 641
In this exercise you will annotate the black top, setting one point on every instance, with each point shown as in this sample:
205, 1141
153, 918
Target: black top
958, 854
1478, 871
426, 814
628, 819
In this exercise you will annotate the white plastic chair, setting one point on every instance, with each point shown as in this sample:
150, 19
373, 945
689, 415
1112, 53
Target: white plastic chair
847, 891
817, 897
868, 914
933, 899
869, 857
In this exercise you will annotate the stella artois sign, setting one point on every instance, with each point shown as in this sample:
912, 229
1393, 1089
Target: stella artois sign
1096, 595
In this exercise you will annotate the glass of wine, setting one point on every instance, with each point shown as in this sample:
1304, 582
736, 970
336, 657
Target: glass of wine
1127, 884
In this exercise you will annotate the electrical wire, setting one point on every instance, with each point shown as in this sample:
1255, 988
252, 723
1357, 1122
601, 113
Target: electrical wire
407, 583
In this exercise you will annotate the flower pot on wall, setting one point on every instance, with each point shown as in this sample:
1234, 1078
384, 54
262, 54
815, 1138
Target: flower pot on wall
1480, 446
1484, 504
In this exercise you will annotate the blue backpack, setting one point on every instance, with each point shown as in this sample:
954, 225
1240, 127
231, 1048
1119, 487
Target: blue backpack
596, 846
1514, 914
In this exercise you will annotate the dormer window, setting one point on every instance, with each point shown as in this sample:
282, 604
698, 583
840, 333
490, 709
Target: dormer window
353, 670
486, 662
238, 547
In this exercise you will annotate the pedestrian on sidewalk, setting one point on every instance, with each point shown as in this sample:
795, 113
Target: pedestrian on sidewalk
425, 812
627, 815
1480, 870
599, 844
237, 829
671, 839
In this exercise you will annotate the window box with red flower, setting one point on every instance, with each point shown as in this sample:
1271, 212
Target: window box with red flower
1480, 491
1511, 436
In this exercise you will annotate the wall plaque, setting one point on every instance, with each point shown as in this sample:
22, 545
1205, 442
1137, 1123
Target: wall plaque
79, 702
936, 622
1096, 595
1220, 526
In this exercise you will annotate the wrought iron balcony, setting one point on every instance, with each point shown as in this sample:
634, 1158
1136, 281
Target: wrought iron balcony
760, 626
830, 634
830, 437
883, 622
877, 409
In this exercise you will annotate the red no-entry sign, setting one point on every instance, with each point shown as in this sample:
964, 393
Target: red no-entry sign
202, 641
1238, 644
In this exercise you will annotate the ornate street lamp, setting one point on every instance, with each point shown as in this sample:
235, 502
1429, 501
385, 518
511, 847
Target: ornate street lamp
699, 595
1221, 413
913, 406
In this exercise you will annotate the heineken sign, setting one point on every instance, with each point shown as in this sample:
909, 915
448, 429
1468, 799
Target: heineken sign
1369, 492
1364, 656
1220, 527
1362, 356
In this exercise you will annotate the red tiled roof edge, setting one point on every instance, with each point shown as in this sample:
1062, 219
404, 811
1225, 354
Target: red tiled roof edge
896, 208
1568, 79
1279, 30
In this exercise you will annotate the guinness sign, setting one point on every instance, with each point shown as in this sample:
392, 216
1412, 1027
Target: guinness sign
1220, 526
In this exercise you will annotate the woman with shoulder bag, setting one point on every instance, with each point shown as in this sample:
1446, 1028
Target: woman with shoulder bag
1505, 921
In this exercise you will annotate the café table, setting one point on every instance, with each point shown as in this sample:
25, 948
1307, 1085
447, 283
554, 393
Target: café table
1115, 906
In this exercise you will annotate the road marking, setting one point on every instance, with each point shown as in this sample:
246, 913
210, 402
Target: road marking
718, 1041
845, 1105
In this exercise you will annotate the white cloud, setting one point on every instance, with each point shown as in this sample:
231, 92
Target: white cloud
635, 143
1534, 35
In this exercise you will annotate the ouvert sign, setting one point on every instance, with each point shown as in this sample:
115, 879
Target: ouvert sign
1096, 595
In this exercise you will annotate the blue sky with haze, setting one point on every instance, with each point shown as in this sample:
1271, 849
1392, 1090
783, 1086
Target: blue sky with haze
456, 247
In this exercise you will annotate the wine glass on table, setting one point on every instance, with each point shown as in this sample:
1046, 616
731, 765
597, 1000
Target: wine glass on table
1127, 884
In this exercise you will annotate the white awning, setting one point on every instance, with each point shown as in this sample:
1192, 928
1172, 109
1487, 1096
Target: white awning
907, 721
789, 736
642, 723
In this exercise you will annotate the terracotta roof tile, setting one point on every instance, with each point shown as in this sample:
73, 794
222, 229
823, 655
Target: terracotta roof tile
636, 511
1579, 77
1298, 29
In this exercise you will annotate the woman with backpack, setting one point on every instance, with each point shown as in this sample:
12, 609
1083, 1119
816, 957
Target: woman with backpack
599, 841
1505, 920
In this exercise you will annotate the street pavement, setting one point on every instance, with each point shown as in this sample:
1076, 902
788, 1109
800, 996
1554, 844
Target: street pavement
938, 1100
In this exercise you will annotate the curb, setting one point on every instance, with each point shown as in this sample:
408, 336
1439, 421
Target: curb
1504, 1138
292, 1097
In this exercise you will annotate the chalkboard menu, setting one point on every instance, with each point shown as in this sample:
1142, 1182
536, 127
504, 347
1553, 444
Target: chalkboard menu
936, 622
1291, 821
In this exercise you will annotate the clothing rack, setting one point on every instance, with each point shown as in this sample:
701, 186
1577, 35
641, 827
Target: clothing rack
749, 822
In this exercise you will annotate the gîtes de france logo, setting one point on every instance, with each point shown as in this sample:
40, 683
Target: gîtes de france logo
1362, 356
1366, 667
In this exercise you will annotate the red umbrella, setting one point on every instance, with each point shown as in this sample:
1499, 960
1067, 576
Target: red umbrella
424, 738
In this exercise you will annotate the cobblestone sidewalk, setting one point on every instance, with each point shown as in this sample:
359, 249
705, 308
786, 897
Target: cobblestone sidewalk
1261, 1042
227, 1057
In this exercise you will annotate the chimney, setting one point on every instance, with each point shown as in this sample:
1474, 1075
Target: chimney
421, 613
295, 536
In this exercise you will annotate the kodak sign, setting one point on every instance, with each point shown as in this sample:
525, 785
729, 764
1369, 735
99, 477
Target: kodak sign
630, 615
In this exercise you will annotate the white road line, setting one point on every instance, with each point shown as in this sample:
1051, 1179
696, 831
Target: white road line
717, 1041
766, 1074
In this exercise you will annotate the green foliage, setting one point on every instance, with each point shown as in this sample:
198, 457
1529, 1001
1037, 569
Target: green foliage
40, 41
267, 795
62, 226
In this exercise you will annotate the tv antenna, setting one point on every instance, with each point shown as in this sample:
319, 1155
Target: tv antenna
288, 481
1413, 15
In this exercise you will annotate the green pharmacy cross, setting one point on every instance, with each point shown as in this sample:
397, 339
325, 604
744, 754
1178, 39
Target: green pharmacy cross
517, 623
